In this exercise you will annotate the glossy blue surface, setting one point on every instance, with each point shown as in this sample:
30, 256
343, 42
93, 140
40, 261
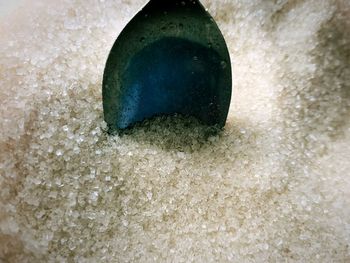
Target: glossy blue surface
172, 75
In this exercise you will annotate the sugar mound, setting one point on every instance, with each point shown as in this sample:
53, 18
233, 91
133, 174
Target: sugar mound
273, 186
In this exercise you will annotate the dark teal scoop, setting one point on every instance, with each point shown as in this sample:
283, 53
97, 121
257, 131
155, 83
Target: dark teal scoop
170, 59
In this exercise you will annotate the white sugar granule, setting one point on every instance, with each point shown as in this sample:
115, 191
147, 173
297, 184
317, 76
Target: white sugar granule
274, 186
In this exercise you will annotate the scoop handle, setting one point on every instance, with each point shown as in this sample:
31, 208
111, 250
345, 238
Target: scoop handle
181, 2
175, 2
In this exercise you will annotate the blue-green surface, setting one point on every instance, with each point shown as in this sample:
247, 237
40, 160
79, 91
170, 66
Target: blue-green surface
171, 76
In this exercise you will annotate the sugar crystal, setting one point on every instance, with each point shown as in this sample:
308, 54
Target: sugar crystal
273, 186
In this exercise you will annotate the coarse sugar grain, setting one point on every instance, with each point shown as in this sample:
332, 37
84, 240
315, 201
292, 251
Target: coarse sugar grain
272, 186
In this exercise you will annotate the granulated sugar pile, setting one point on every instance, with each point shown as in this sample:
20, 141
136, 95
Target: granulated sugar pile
274, 186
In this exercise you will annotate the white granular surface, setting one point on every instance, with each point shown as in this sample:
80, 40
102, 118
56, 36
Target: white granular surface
274, 186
